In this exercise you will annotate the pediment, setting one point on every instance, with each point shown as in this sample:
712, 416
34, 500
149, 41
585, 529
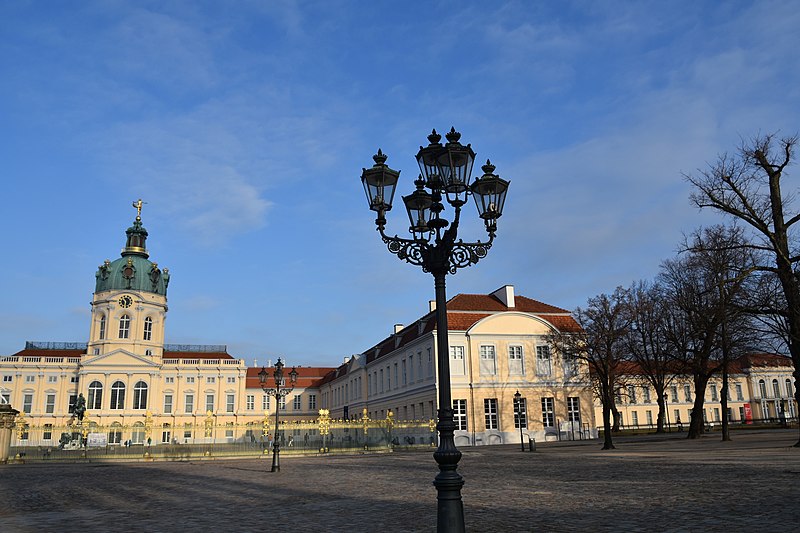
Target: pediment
120, 358
515, 323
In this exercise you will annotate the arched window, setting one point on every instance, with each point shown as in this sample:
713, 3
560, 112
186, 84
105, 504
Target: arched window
148, 328
118, 395
762, 387
124, 326
102, 334
115, 435
95, 400
140, 395
137, 434
148, 352
776, 390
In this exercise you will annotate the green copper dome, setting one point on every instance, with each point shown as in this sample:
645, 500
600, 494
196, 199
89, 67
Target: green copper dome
133, 271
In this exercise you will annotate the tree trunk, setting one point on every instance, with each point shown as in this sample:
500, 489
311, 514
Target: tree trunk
662, 411
697, 424
608, 443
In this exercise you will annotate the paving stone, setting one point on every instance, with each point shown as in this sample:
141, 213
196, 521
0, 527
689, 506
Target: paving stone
650, 483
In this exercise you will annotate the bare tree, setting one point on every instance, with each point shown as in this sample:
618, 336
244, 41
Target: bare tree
647, 343
604, 324
748, 187
703, 319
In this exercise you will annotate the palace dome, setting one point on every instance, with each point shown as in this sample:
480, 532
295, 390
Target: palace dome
133, 271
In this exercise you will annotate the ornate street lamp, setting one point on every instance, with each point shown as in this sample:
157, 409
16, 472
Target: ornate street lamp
279, 391
518, 412
445, 173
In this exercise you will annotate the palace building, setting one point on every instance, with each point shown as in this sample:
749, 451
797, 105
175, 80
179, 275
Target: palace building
136, 385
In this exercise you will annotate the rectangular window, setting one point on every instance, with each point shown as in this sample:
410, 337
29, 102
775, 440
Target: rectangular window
189, 379
543, 366
430, 363
265, 403
73, 379
166, 434
168, 403
405, 373
169, 380
548, 412
50, 404
124, 326
5, 397
515, 361
231, 380
210, 402
30, 379
646, 394
490, 413
282, 402
312, 402
187, 433
396, 381
488, 361
716, 414
634, 419
7, 379
73, 399
27, 403
631, 394
47, 434
714, 395
520, 414
411, 368
687, 393
148, 328
52, 379
230, 403
189, 403
250, 404
574, 409
739, 392
673, 390
459, 414
211, 379
457, 367
298, 403
229, 429
649, 417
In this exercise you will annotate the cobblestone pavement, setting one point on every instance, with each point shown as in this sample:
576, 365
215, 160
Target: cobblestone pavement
649, 483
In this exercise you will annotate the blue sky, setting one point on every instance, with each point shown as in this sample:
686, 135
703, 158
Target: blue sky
245, 125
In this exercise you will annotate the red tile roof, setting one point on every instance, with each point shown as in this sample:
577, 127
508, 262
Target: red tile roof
488, 302
307, 376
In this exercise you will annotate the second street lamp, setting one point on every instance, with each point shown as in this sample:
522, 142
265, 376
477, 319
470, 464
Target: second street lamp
519, 414
445, 174
279, 391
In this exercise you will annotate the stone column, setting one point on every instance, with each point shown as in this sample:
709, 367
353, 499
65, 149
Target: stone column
7, 416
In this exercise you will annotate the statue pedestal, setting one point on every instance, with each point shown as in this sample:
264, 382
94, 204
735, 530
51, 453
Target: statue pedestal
7, 416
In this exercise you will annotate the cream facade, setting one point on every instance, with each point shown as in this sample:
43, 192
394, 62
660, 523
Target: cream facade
498, 345
760, 388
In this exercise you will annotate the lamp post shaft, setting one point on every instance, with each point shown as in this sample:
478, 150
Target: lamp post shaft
276, 447
448, 483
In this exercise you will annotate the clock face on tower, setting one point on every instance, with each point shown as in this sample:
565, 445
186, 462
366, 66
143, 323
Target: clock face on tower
125, 301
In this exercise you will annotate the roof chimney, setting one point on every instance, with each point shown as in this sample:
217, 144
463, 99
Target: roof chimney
397, 328
506, 295
431, 306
